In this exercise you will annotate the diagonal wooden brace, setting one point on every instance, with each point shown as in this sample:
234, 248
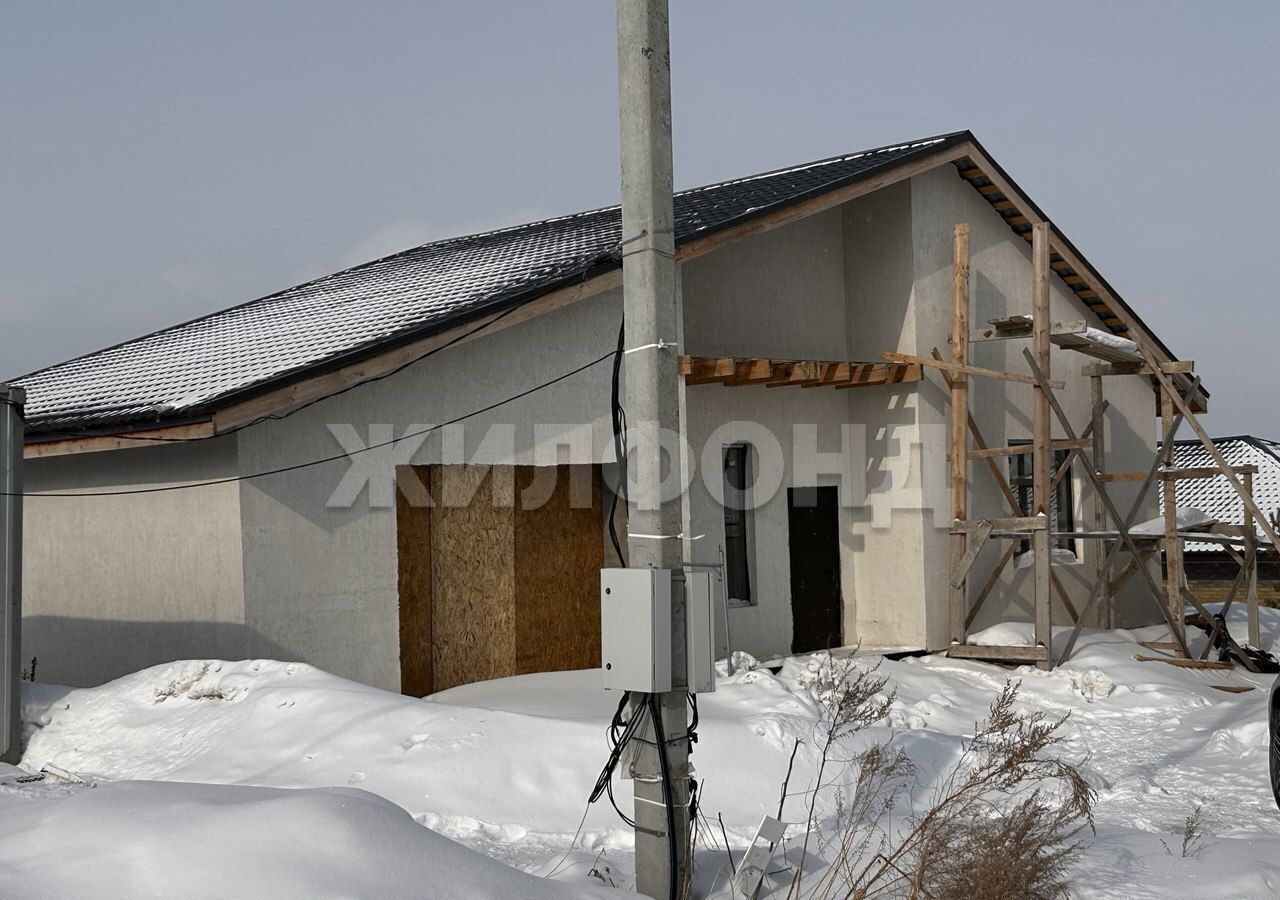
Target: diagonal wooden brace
1100, 487
1139, 562
977, 539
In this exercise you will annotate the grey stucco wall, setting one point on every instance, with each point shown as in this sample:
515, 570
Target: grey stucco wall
116, 584
888, 605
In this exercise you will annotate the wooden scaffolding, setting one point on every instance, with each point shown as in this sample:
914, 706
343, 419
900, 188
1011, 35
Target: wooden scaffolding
1179, 398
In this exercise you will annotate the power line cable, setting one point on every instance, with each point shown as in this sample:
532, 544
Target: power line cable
618, 416
664, 766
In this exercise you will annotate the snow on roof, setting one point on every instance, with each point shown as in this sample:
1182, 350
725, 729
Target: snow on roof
189, 370
1214, 495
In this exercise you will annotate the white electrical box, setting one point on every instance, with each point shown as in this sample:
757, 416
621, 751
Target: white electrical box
700, 632
635, 629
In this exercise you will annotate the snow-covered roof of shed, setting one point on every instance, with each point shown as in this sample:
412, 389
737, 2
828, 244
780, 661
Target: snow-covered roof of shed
189, 370
1217, 498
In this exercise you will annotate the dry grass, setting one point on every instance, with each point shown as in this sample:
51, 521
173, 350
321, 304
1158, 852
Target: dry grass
1004, 821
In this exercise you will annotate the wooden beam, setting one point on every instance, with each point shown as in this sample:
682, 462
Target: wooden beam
1019, 524
1061, 593
830, 374
997, 653
1251, 567
740, 371
1022, 449
1112, 477
1183, 663
794, 373
1004, 334
960, 571
130, 440
963, 553
990, 583
953, 368
895, 373
1172, 544
1096, 370
1041, 438
1098, 421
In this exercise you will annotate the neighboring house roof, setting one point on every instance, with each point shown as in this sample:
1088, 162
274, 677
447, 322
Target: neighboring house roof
189, 371
1214, 496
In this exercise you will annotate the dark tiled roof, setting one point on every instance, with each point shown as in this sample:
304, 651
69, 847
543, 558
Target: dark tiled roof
1217, 498
187, 371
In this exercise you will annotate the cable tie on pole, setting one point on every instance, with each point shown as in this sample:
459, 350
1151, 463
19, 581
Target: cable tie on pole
644, 233
649, 250
665, 537
659, 344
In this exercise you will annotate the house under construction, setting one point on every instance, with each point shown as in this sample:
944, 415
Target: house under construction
928, 411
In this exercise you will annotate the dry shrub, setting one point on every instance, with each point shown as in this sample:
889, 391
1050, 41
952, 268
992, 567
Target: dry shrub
1002, 823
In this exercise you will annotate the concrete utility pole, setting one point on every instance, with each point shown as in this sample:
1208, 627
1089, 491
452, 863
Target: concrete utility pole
11, 438
651, 313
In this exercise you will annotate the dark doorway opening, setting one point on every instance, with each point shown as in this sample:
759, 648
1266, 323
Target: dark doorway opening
813, 521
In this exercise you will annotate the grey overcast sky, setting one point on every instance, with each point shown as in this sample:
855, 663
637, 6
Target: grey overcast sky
161, 160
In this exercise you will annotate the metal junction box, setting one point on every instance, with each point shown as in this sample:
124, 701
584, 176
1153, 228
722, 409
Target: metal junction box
700, 632
635, 629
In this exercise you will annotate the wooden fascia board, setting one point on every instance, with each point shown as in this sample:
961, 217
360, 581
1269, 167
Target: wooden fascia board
97, 443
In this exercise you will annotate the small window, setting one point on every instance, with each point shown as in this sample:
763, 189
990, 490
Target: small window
737, 523
1061, 503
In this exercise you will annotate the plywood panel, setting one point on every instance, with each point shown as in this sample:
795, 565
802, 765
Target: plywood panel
559, 550
413, 578
473, 576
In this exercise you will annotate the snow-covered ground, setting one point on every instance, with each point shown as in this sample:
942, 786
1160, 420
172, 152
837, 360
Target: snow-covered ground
504, 767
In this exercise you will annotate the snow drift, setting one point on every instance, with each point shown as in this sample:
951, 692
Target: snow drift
504, 767
172, 839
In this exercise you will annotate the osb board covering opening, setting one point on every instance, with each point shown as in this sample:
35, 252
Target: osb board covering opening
559, 553
498, 572
473, 577
413, 578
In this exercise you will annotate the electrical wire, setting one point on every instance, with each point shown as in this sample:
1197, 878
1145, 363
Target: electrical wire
328, 459
664, 765
620, 733
618, 416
